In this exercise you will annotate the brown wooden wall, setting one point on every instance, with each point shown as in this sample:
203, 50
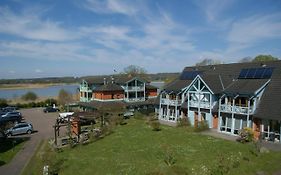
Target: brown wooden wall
107, 95
151, 92
215, 121
256, 128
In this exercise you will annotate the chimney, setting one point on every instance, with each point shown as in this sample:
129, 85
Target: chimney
104, 81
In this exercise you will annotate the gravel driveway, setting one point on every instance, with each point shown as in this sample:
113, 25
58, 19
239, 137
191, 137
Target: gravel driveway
43, 125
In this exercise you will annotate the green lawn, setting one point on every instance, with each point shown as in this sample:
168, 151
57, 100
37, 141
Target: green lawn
136, 149
9, 148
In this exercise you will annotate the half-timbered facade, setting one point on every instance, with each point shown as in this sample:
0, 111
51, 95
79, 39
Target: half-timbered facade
229, 97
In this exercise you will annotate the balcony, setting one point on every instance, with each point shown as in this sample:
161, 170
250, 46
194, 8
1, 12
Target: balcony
166, 101
237, 109
195, 104
135, 99
134, 88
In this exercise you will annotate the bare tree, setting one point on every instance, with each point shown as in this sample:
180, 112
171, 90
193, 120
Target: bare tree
208, 61
134, 70
64, 97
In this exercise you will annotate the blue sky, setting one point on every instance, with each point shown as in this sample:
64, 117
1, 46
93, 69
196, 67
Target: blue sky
93, 37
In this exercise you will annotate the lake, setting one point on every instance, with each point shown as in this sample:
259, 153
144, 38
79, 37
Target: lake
50, 91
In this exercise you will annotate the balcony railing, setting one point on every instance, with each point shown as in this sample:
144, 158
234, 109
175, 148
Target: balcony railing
135, 99
166, 101
236, 109
134, 88
196, 104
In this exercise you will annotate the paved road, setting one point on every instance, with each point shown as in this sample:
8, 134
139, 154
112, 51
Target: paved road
42, 123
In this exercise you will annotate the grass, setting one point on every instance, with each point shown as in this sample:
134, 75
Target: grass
9, 148
136, 149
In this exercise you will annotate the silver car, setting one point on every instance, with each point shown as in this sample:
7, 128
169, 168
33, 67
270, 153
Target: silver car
20, 128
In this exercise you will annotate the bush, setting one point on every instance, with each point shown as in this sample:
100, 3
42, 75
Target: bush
155, 125
202, 126
29, 96
3, 102
183, 122
246, 135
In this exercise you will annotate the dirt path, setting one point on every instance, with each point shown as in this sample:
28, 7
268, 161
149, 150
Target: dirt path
42, 123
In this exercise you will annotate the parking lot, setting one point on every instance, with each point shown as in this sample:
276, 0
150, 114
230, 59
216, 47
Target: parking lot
43, 127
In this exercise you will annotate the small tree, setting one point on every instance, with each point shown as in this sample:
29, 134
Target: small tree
29, 96
3, 102
208, 61
134, 70
64, 97
264, 58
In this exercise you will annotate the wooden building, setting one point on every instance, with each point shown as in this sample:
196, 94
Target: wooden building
228, 97
120, 88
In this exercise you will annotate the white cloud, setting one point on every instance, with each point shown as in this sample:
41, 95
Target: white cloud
112, 6
255, 28
213, 9
250, 31
30, 26
38, 70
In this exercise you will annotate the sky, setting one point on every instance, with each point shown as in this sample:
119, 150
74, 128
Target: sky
54, 38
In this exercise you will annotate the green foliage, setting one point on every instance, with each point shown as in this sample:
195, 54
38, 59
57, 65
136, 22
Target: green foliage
155, 125
246, 135
134, 149
202, 126
264, 58
64, 97
9, 148
29, 96
169, 157
183, 122
3, 103
36, 104
225, 163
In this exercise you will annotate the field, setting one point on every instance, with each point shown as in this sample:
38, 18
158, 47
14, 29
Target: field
135, 149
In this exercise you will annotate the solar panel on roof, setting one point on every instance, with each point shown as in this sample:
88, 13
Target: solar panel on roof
251, 73
189, 75
268, 72
243, 73
256, 73
260, 72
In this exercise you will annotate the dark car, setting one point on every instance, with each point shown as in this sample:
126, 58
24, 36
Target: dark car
9, 109
50, 109
11, 117
20, 128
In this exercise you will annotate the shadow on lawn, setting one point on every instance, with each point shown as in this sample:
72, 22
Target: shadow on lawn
9, 144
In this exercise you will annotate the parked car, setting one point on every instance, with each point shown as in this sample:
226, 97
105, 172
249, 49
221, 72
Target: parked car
20, 128
9, 109
11, 117
50, 109
63, 117
128, 114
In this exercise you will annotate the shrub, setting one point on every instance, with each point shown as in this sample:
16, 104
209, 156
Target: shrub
155, 125
29, 96
138, 116
202, 126
246, 135
183, 122
3, 102
169, 157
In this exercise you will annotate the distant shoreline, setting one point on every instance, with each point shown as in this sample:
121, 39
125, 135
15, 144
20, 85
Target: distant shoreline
31, 85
